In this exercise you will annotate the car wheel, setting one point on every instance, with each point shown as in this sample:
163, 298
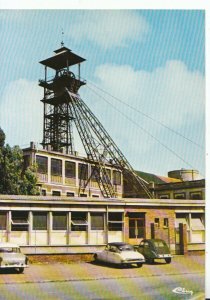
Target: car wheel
139, 265
20, 270
95, 257
168, 260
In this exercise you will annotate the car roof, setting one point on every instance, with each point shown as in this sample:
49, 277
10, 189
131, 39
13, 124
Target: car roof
117, 244
152, 240
10, 245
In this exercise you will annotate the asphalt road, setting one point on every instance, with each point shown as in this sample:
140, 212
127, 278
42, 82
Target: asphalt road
98, 281
158, 287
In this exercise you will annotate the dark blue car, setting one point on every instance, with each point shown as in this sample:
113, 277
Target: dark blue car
154, 249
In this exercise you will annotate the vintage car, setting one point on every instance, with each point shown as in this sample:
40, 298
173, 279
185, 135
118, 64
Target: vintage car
154, 249
121, 254
11, 257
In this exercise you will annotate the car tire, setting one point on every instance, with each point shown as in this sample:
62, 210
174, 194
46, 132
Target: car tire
168, 260
139, 265
20, 270
95, 257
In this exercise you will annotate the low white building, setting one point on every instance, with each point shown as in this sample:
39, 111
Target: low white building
50, 224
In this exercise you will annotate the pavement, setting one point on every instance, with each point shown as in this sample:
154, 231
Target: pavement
77, 271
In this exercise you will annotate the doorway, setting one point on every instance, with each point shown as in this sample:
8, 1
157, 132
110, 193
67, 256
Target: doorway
136, 226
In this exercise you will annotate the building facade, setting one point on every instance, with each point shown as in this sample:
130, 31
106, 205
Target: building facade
50, 224
68, 175
194, 189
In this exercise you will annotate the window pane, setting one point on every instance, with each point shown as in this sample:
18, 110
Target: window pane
97, 221
95, 173
115, 216
59, 221
197, 222
116, 177
115, 221
106, 175
79, 221
165, 222
157, 222
19, 221
70, 194
196, 195
182, 218
163, 196
115, 226
39, 221
44, 192
3, 220
70, 169
56, 193
83, 171
132, 229
179, 196
136, 228
56, 167
41, 164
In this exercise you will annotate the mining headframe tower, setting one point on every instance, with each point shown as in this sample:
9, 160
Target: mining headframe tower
64, 108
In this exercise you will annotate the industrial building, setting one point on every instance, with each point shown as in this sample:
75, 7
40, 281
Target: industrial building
88, 201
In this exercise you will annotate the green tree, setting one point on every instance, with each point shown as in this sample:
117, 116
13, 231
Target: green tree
2, 138
13, 180
28, 185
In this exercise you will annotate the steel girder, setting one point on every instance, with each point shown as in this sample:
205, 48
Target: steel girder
87, 124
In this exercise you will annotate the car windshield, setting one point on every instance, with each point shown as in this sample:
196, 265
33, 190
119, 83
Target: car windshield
9, 250
160, 244
125, 248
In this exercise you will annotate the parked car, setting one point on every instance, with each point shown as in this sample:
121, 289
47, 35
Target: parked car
154, 249
11, 257
121, 254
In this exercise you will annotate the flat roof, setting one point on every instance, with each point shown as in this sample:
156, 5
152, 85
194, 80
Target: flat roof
123, 202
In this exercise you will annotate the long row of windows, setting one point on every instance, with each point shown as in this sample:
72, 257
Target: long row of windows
79, 221
182, 195
70, 170
194, 221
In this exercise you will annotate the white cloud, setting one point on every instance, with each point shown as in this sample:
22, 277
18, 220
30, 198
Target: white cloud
109, 28
169, 94
21, 112
172, 95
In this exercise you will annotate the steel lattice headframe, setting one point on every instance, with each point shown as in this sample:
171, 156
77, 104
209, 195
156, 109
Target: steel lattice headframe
63, 107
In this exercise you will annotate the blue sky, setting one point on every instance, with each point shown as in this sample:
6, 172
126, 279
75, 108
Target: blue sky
151, 60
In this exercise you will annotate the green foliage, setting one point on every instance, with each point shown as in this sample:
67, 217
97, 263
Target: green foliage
29, 181
13, 181
2, 138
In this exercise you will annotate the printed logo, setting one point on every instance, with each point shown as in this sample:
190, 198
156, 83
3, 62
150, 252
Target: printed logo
182, 291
